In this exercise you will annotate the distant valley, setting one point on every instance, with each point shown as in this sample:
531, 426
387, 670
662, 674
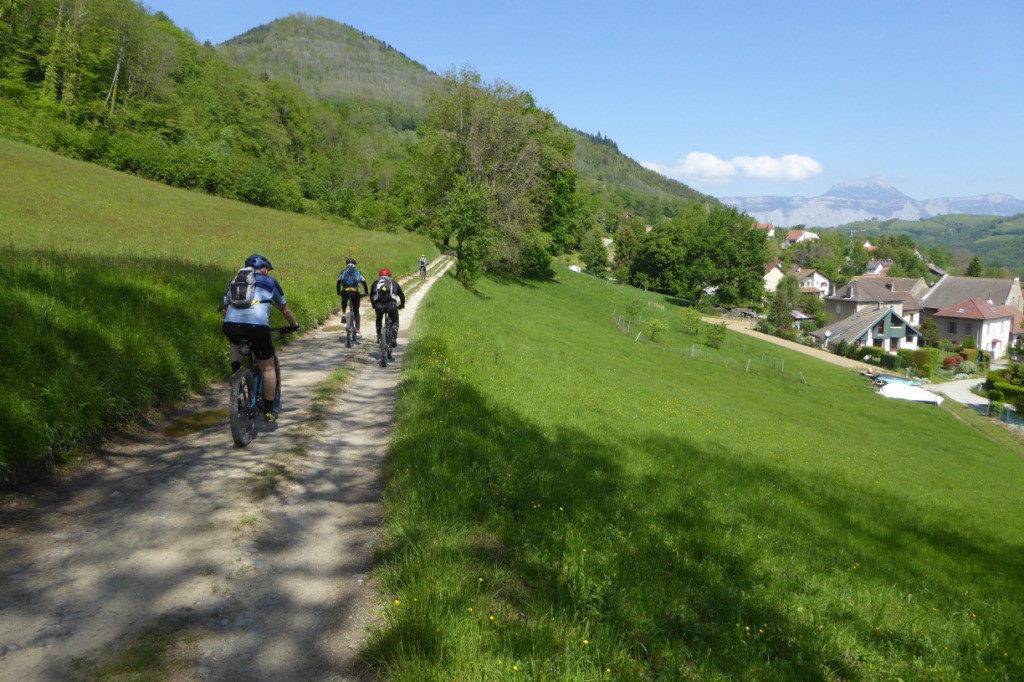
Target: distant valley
867, 200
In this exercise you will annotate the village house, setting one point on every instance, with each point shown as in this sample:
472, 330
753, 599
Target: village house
773, 274
862, 294
910, 289
881, 328
952, 290
993, 327
878, 268
813, 282
797, 236
769, 229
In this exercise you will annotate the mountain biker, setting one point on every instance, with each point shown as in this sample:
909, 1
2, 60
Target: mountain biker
348, 288
386, 296
423, 265
253, 324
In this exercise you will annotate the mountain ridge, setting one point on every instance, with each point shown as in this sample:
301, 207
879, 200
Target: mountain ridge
871, 199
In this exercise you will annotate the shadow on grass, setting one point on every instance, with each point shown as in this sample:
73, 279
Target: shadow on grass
574, 543
91, 341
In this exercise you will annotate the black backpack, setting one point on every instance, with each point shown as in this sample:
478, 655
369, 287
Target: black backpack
242, 289
383, 290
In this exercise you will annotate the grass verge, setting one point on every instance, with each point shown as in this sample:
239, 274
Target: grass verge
564, 502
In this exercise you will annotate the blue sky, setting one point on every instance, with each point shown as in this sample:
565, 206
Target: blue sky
737, 97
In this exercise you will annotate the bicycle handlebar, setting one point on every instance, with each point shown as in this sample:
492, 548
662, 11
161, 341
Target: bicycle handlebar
285, 330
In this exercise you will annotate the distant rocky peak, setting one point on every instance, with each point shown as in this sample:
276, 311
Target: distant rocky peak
870, 189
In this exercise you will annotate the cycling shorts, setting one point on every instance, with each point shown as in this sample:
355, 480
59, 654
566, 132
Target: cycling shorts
258, 336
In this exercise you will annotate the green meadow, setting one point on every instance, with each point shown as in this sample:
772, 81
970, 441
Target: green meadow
111, 291
565, 502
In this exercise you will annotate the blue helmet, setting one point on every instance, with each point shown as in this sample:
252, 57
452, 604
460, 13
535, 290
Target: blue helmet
257, 261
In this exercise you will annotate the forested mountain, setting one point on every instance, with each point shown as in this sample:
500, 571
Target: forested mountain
331, 60
998, 241
338, 62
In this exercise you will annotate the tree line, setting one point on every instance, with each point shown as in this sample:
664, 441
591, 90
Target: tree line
480, 166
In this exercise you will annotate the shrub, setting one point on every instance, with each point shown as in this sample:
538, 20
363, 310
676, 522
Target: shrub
951, 361
890, 361
842, 347
970, 354
655, 326
970, 343
926, 370
922, 357
968, 367
714, 335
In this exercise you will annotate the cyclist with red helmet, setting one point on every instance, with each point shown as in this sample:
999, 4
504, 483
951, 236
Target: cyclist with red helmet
386, 296
250, 319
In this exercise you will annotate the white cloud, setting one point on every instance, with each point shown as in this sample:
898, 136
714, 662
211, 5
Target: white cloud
707, 168
791, 167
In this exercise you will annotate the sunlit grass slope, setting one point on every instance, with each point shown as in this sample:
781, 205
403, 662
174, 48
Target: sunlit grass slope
111, 290
566, 503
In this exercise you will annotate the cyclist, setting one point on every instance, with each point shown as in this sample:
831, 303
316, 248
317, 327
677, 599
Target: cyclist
253, 323
386, 296
423, 265
348, 285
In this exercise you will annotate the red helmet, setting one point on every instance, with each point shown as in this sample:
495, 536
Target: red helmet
384, 272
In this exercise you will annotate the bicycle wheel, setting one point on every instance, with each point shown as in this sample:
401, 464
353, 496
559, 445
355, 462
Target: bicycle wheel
243, 417
350, 330
382, 343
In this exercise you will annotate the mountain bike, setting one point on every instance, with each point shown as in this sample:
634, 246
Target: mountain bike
386, 341
247, 401
423, 272
350, 326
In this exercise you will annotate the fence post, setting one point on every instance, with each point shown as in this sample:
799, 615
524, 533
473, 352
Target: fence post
637, 337
748, 365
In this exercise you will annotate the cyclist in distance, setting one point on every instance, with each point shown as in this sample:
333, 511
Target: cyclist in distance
348, 285
387, 296
423, 265
253, 323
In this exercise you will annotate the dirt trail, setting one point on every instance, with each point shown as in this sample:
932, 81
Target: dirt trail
747, 327
164, 534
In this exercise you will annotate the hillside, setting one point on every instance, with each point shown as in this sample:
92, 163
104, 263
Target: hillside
331, 60
998, 241
114, 284
579, 504
337, 62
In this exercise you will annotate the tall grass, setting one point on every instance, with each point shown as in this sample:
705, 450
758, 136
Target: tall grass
111, 290
566, 503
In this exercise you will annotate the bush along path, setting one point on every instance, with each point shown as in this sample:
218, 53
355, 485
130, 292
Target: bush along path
188, 558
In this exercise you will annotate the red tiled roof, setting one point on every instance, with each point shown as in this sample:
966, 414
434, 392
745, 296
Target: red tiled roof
977, 309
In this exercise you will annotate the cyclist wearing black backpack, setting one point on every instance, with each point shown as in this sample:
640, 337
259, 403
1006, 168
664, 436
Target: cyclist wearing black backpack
246, 311
348, 285
387, 296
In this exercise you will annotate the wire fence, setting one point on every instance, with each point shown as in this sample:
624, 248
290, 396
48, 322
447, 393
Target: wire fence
753, 362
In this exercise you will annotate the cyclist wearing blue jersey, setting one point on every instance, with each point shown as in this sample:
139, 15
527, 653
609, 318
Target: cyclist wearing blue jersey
252, 323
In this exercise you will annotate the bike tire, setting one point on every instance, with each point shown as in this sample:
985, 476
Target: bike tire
382, 343
243, 419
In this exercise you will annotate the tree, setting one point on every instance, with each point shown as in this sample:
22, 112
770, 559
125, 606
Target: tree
785, 298
625, 249
499, 142
701, 251
594, 253
929, 332
975, 268
467, 215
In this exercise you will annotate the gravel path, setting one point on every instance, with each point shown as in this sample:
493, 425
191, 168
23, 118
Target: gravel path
256, 561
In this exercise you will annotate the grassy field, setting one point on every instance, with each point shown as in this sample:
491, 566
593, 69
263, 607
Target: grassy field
564, 502
112, 285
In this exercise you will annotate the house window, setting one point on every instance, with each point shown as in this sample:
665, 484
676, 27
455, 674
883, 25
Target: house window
839, 308
952, 328
970, 328
881, 328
